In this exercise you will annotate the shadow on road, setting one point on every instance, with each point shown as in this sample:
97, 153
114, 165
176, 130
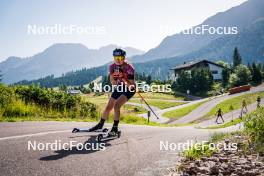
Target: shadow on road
74, 150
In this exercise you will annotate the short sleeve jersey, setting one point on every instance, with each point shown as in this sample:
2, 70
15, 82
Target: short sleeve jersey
126, 69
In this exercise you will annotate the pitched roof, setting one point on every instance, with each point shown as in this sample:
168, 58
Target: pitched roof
193, 63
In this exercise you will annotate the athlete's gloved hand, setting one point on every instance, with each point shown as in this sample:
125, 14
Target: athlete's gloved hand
121, 75
115, 76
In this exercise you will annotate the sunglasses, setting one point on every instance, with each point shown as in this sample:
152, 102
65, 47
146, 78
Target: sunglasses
119, 58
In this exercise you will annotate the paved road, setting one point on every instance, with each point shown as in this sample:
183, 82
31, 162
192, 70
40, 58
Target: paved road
137, 152
163, 119
206, 107
228, 116
198, 112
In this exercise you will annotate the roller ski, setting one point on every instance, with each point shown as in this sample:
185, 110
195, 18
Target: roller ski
97, 129
113, 134
80, 130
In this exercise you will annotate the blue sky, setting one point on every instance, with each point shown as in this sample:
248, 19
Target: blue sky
135, 23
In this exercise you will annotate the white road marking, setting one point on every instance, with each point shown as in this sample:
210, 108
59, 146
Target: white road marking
108, 126
35, 134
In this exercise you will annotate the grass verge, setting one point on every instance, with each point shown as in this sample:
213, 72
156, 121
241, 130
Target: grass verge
200, 150
159, 103
176, 114
233, 104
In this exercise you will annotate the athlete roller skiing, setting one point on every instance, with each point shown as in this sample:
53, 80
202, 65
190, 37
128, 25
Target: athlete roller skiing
121, 74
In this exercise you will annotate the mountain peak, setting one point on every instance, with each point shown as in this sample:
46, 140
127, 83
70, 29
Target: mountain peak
66, 46
179, 44
57, 59
110, 46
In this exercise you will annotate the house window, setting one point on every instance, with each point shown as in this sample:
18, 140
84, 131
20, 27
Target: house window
214, 71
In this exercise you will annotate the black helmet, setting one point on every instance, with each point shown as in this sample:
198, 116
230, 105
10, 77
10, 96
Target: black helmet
119, 52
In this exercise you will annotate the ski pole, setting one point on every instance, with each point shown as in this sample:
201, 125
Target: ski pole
144, 100
147, 105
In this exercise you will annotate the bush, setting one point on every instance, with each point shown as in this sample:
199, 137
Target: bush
19, 109
59, 101
254, 126
88, 109
241, 76
6, 96
197, 152
21, 101
216, 90
199, 81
